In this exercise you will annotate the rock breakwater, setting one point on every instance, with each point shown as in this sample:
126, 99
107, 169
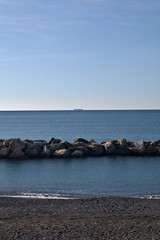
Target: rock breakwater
15, 148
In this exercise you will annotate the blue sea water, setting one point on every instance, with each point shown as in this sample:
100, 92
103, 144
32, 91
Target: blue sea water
104, 176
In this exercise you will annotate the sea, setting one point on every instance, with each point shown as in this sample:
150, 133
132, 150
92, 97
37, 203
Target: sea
83, 177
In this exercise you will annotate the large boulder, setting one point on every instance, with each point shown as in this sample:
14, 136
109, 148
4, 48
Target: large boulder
96, 149
46, 151
16, 143
54, 140
82, 140
77, 154
137, 147
56, 146
79, 144
17, 153
92, 141
6, 142
110, 148
62, 153
115, 143
26, 140
32, 151
40, 143
84, 150
122, 147
66, 144
122, 141
4, 152
152, 150
155, 143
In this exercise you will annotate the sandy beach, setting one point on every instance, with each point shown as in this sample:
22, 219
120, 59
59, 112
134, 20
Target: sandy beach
96, 218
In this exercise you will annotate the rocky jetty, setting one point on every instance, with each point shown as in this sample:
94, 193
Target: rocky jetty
15, 148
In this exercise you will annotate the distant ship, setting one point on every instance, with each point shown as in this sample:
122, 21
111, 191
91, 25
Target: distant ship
78, 109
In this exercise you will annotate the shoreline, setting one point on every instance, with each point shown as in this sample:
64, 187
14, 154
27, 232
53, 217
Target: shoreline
93, 218
45, 196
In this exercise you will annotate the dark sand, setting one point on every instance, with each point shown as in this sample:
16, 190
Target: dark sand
97, 218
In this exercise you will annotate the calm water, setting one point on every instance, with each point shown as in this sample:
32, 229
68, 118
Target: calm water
125, 176
68, 125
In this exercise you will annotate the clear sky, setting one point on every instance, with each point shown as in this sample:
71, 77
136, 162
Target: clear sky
91, 54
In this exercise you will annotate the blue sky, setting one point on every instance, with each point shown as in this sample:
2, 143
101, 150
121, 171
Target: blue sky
91, 54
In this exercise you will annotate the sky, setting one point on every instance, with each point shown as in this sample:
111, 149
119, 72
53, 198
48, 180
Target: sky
90, 54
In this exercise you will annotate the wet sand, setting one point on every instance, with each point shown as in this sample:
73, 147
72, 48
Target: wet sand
96, 218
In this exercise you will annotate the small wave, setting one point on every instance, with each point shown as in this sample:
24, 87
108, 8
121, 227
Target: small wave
39, 196
149, 196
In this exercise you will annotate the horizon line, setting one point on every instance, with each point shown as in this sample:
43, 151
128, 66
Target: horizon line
47, 110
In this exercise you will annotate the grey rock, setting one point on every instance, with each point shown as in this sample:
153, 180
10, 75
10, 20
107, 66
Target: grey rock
151, 150
56, 146
154, 143
46, 151
54, 140
17, 153
84, 150
92, 141
4, 152
40, 143
62, 153
114, 142
16, 143
77, 153
147, 144
96, 149
109, 148
137, 147
66, 144
79, 144
32, 151
122, 147
51, 140
122, 141
6, 142
82, 140
26, 140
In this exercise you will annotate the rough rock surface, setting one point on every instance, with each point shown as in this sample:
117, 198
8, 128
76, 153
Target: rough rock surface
31, 151
62, 153
81, 140
84, 150
54, 140
40, 143
137, 147
77, 153
96, 149
55, 148
16, 144
4, 152
109, 148
46, 151
17, 153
